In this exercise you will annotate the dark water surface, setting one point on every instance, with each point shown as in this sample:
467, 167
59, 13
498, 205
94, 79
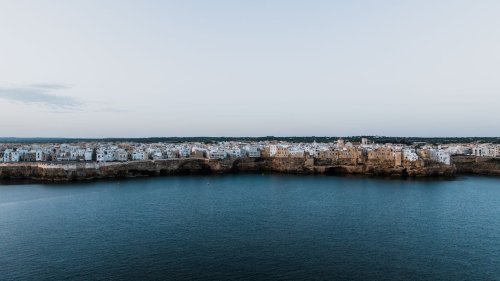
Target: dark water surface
252, 227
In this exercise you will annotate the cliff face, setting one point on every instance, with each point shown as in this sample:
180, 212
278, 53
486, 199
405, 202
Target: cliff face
87, 171
398, 172
477, 165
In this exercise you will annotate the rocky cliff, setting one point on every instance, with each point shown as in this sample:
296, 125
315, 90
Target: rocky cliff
88, 171
477, 165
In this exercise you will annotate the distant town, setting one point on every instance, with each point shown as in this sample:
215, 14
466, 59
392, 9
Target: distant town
338, 150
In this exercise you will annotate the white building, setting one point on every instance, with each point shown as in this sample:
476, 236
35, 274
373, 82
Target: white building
184, 152
340, 144
273, 149
139, 155
87, 156
13, 156
217, 154
156, 154
122, 155
110, 155
100, 155
39, 155
252, 151
234, 152
297, 152
440, 156
6, 155
456, 149
81, 153
171, 153
410, 154
486, 150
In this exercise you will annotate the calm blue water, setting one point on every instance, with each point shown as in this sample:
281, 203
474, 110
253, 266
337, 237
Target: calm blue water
252, 227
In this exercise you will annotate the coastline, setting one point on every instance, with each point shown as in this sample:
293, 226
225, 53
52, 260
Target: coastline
83, 171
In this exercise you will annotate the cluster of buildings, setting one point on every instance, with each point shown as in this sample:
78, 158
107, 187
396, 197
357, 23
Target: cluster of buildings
485, 150
343, 151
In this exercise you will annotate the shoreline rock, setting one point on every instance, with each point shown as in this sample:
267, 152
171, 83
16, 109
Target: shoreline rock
477, 165
80, 171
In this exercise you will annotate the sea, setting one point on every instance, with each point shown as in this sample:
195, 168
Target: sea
252, 227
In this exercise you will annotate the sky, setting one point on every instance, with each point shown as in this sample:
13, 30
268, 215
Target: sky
105, 68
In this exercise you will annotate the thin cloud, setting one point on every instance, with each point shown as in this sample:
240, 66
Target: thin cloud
113, 109
40, 94
102, 106
50, 86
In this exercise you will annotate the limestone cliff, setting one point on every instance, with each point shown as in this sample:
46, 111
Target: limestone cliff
477, 165
88, 171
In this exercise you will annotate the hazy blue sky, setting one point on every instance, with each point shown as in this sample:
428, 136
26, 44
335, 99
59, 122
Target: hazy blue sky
249, 68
